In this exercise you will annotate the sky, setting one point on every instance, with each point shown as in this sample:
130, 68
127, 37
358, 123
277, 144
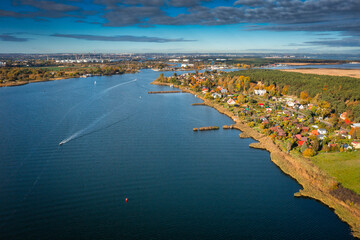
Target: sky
180, 26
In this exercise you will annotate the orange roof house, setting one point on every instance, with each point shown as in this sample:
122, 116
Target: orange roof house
314, 132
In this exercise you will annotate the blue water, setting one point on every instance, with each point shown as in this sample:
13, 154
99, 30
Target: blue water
120, 142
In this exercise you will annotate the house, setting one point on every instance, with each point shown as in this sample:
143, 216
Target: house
216, 95
322, 131
300, 143
355, 125
205, 90
231, 101
321, 136
356, 145
347, 121
290, 104
301, 138
268, 109
346, 147
343, 116
260, 92
314, 132
223, 90
279, 130
2, 64
305, 129
261, 104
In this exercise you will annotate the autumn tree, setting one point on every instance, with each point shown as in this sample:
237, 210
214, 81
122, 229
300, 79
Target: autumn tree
304, 95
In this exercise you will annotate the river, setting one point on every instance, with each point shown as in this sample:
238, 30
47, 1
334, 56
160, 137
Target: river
119, 142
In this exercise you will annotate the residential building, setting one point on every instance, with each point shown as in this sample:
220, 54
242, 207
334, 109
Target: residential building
260, 92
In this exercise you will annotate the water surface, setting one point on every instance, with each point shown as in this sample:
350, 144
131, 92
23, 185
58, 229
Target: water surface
122, 143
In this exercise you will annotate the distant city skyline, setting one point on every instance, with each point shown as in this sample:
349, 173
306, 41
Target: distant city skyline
163, 26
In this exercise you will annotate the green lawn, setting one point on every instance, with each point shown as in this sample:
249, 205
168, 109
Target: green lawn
345, 167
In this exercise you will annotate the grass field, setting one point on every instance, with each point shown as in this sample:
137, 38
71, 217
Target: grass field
344, 166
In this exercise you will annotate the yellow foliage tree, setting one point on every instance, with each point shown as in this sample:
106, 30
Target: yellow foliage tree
304, 95
308, 152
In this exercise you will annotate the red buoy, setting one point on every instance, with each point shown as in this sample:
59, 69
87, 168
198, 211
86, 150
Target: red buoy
126, 200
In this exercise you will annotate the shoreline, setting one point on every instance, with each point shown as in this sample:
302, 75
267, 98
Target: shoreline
20, 83
315, 183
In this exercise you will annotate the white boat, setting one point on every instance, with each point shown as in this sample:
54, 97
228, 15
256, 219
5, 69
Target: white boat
95, 83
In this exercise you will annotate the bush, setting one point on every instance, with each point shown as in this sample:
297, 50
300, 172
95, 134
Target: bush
325, 148
308, 152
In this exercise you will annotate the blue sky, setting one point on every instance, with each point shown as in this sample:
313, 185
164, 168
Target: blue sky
234, 26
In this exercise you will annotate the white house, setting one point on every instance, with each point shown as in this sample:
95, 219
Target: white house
290, 104
231, 101
322, 131
185, 65
205, 90
321, 136
356, 145
216, 95
355, 125
224, 90
260, 92
2, 64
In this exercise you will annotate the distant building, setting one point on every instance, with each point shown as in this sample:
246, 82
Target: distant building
185, 65
2, 64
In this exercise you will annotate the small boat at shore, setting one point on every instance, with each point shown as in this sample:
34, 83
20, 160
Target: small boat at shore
94, 82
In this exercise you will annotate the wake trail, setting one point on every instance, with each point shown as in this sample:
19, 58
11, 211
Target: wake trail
118, 85
98, 96
92, 99
84, 130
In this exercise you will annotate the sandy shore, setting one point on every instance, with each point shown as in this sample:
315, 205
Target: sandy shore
316, 184
355, 73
